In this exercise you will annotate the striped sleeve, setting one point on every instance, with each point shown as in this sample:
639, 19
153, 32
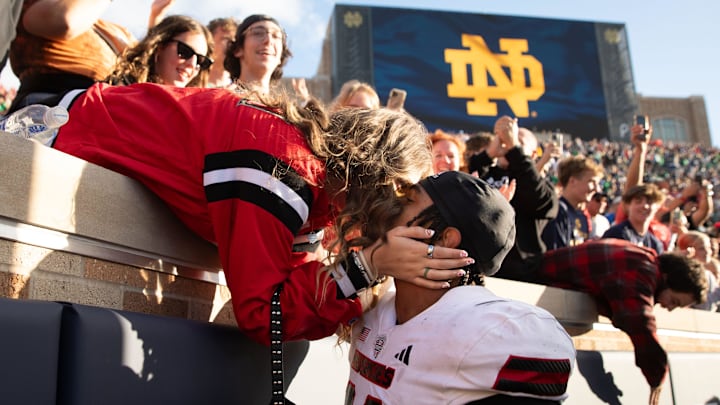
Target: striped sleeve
540, 377
261, 179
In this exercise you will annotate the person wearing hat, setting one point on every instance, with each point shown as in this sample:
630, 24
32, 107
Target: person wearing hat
463, 344
256, 57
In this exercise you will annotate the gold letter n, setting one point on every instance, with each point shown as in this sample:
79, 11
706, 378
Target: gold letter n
514, 89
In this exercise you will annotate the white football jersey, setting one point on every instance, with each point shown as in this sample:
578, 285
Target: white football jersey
469, 345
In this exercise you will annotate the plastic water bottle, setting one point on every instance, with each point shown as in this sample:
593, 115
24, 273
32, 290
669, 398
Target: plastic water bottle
36, 121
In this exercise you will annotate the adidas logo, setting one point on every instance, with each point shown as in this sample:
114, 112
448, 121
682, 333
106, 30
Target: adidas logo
404, 355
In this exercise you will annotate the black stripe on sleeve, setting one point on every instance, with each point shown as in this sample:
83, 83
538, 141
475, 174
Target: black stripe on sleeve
255, 193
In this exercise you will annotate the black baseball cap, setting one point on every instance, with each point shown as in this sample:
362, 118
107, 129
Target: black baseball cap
485, 218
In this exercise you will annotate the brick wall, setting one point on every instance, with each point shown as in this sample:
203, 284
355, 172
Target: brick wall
31, 272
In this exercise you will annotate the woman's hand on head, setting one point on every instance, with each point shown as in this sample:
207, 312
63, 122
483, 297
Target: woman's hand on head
405, 257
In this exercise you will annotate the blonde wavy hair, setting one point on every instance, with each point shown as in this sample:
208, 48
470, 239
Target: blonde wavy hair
349, 89
370, 156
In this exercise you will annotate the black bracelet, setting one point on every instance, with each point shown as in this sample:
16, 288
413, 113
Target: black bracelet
352, 275
358, 264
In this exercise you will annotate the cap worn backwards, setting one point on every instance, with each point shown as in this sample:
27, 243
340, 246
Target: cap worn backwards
485, 218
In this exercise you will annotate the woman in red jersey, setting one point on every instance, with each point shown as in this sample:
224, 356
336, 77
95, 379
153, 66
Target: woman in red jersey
253, 179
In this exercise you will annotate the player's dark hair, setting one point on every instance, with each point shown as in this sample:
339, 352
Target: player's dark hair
684, 274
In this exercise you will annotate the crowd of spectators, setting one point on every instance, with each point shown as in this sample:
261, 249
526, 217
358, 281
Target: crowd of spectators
673, 166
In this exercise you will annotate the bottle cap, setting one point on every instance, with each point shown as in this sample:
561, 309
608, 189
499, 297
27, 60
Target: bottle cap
56, 116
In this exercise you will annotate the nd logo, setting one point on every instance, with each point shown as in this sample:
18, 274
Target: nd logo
514, 88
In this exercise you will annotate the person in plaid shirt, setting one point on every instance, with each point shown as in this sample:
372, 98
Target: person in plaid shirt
626, 281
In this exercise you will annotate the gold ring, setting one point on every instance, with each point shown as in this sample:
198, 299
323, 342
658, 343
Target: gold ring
430, 250
427, 269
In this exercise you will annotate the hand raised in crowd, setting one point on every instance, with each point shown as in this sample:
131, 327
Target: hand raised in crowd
301, 90
158, 9
639, 137
691, 190
506, 137
508, 190
550, 150
405, 257
678, 222
705, 188
506, 129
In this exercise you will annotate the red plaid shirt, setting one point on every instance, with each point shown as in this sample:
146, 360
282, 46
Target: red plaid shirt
623, 278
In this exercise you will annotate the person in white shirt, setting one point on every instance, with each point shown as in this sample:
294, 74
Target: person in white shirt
596, 212
462, 345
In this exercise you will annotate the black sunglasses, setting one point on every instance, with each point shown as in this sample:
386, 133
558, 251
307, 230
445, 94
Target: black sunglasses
186, 52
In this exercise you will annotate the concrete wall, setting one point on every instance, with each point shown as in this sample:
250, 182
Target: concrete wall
72, 231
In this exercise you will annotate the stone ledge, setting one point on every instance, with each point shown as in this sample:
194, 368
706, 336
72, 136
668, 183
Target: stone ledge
50, 190
578, 313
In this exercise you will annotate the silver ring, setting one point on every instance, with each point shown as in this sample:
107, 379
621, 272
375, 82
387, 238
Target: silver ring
427, 269
430, 250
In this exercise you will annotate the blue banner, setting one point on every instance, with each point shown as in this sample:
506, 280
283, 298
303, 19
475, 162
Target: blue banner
461, 71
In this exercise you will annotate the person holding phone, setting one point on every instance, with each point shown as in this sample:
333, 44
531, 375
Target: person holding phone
695, 200
644, 122
510, 158
396, 99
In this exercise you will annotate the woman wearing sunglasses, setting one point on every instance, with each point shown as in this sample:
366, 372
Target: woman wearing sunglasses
175, 52
257, 55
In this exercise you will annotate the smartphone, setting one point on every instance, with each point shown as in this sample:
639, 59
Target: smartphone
643, 120
677, 215
396, 99
557, 139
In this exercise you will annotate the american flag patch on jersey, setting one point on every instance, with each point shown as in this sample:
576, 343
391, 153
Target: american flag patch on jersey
364, 333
